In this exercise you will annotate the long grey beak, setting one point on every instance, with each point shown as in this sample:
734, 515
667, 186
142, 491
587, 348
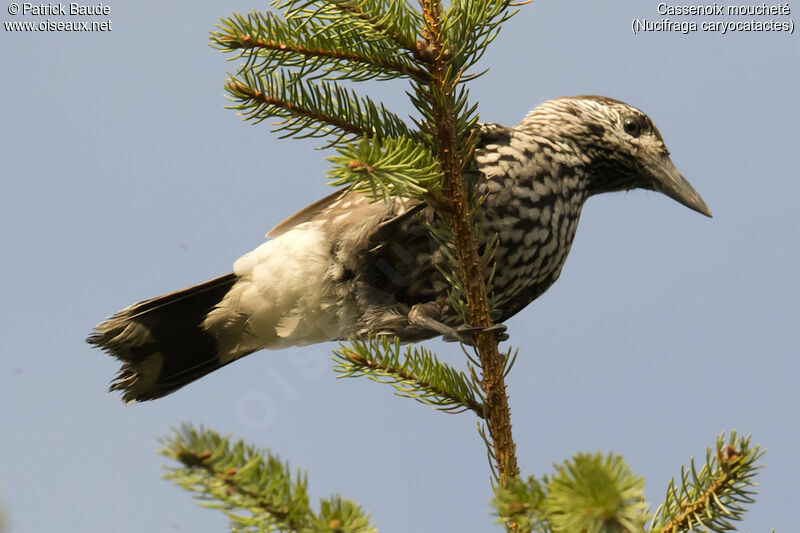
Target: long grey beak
669, 181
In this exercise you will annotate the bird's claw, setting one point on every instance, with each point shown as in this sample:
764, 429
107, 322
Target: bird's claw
467, 334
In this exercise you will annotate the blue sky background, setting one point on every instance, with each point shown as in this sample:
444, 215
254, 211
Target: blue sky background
123, 178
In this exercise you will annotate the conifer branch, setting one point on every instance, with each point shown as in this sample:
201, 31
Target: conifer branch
244, 42
392, 167
416, 374
279, 513
253, 487
445, 130
595, 492
522, 502
268, 42
589, 492
472, 26
312, 109
263, 101
389, 20
711, 499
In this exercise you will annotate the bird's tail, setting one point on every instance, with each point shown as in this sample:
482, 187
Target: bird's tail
161, 342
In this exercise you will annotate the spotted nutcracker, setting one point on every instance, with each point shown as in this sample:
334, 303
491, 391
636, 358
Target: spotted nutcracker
348, 266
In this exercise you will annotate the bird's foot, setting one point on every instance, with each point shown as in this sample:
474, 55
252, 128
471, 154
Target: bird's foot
468, 334
426, 315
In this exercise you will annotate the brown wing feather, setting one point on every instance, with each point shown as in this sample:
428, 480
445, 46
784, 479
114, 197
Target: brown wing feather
305, 214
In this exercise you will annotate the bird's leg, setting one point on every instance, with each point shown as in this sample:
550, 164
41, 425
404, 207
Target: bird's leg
426, 316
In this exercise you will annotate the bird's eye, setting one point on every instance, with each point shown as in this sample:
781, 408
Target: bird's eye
632, 126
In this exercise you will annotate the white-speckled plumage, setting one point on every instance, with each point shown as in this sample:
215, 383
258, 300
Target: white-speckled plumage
348, 266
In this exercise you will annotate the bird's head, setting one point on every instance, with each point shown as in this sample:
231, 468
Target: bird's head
619, 146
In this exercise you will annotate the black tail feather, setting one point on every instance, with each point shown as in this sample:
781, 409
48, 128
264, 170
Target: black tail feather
161, 342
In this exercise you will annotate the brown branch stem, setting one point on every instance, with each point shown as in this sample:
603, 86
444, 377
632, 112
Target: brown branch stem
257, 96
682, 522
246, 42
457, 206
193, 459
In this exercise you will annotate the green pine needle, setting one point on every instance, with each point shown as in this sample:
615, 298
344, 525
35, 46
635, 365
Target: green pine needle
471, 26
712, 498
267, 42
253, 486
389, 20
414, 373
522, 503
389, 167
338, 515
591, 493
311, 109
596, 493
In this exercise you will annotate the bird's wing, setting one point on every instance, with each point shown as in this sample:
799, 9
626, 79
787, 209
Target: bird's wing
351, 215
306, 214
490, 133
